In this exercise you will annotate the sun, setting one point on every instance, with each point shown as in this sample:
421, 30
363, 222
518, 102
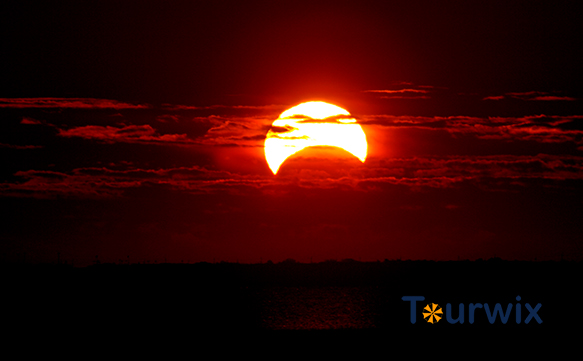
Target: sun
312, 124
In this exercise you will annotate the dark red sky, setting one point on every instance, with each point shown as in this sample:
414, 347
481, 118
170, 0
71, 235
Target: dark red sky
136, 129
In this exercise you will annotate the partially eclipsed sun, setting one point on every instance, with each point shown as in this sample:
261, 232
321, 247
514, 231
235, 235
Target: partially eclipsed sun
313, 124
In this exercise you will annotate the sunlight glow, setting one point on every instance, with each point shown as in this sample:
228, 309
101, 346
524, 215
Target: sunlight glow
313, 124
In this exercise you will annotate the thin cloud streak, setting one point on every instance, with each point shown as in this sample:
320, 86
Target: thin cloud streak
406, 97
235, 131
539, 128
487, 172
406, 93
71, 103
219, 106
13, 146
127, 134
398, 91
531, 96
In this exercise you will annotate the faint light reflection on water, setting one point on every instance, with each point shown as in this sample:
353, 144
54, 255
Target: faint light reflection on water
319, 308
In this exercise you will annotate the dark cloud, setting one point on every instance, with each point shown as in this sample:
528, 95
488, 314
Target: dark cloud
127, 134
30, 121
553, 98
234, 131
210, 107
398, 91
540, 128
406, 97
104, 182
13, 146
532, 96
283, 136
414, 173
411, 92
277, 129
168, 118
333, 119
494, 97
77, 103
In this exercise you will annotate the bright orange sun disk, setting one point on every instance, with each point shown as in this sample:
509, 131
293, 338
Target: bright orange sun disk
313, 124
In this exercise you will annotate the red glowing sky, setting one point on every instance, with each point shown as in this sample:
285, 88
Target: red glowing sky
138, 131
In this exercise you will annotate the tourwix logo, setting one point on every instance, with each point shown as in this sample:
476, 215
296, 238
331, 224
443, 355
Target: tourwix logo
433, 313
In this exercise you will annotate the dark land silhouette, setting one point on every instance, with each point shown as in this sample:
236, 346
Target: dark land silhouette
331, 296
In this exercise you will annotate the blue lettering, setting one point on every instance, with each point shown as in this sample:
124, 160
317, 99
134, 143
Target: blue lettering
472, 308
498, 310
413, 300
460, 317
533, 313
518, 308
